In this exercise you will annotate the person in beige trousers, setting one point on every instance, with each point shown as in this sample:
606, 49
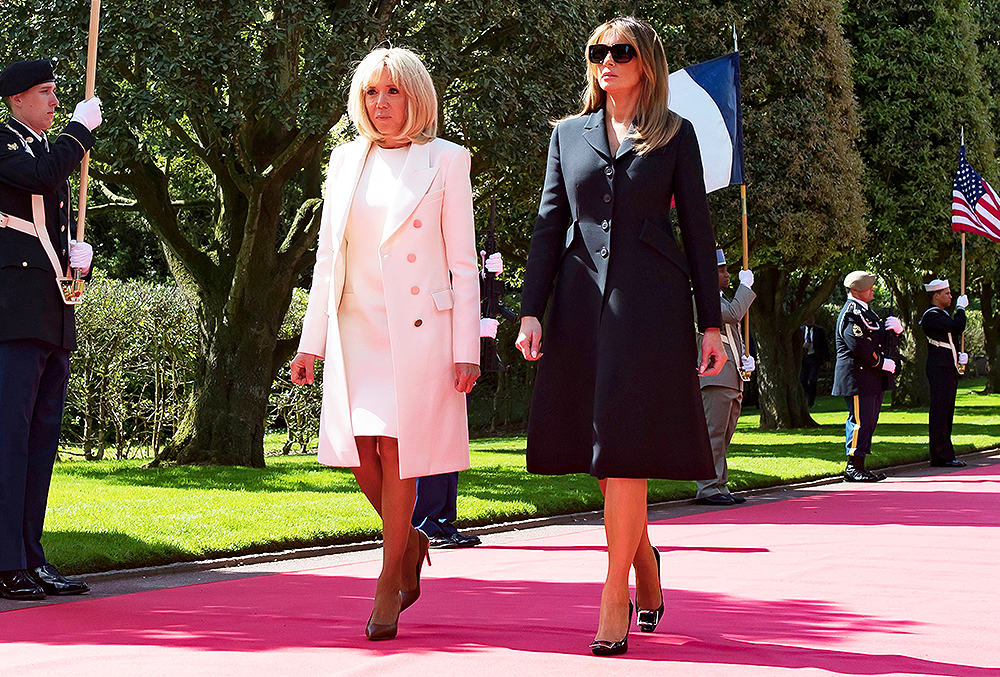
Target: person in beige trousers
722, 394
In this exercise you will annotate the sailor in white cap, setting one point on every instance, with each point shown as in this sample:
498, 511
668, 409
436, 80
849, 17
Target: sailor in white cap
943, 332
864, 370
722, 394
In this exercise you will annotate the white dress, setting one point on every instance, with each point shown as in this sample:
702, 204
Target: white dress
362, 317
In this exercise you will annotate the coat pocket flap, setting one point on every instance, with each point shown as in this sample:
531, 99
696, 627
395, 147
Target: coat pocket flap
656, 238
444, 299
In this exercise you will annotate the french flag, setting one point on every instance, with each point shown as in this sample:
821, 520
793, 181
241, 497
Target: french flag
708, 94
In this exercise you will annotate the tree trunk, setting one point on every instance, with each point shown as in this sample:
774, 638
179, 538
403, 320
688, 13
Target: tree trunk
991, 333
783, 402
912, 388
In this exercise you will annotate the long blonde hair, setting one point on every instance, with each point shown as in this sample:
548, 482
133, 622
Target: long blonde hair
410, 75
655, 124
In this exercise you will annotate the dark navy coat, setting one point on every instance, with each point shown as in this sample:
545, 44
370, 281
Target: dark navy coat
617, 394
862, 347
31, 305
938, 324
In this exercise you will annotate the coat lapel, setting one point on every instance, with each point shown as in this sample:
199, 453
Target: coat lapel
353, 166
626, 145
414, 180
596, 135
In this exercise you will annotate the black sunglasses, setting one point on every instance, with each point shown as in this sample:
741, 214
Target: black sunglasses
621, 53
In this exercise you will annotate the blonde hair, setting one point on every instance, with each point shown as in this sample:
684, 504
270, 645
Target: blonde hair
408, 72
655, 124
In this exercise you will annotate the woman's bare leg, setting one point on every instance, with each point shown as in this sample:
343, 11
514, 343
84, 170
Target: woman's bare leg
398, 497
647, 577
624, 524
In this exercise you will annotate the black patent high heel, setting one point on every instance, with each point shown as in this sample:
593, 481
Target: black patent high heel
602, 647
408, 597
648, 619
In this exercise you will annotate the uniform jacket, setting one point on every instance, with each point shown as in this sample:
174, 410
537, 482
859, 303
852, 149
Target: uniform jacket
31, 305
862, 346
732, 313
432, 305
938, 325
616, 393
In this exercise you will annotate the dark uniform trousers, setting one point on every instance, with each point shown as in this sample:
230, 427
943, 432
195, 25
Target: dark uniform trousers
33, 378
862, 417
436, 508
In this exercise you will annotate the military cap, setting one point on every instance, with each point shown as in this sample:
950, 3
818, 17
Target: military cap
936, 285
859, 280
720, 257
21, 76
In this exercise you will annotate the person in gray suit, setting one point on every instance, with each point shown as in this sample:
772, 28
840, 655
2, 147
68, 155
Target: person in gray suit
722, 393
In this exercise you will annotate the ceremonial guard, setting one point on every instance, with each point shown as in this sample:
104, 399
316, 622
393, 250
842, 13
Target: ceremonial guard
864, 370
37, 330
943, 364
722, 394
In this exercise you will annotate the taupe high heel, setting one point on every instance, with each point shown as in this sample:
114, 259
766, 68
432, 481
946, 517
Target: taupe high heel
408, 597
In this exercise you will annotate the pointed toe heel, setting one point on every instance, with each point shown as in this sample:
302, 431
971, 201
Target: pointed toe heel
379, 631
603, 647
648, 619
408, 597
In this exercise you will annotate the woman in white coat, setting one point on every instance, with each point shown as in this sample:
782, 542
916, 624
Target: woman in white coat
394, 310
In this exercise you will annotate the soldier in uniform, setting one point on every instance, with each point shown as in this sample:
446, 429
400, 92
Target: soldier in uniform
864, 370
37, 330
722, 394
943, 331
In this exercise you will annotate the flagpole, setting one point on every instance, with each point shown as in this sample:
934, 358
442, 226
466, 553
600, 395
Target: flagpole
963, 285
95, 19
746, 266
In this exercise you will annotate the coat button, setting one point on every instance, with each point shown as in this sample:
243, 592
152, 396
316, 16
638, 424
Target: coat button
414, 290
61, 204
418, 223
63, 229
605, 226
411, 257
610, 171
604, 252
24, 264
607, 197
418, 323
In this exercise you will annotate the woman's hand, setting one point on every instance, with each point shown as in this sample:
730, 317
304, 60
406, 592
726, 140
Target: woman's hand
465, 376
529, 339
302, 369
711, 347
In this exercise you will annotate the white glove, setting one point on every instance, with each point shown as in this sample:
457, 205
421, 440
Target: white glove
892, 323
81, 255
88, 113
746, 278
494, 263
962, 302
963, 358
488, 327
749, 364
889, 365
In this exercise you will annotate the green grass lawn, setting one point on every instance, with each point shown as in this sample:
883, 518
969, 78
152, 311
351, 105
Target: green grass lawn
117, 514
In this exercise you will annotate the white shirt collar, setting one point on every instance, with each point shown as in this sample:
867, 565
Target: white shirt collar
38, 137
863, 304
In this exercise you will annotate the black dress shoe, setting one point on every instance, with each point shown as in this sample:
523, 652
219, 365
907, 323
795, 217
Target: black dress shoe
20, 585
648, 619
852, 474
953, 463
464, 541
738, 499
604, 647
442, 541
716, 499
54, 583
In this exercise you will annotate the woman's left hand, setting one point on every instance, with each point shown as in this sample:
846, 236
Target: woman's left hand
465, 376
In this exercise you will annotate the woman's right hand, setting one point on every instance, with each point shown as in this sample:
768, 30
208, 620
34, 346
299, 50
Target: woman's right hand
529, 339
302, 368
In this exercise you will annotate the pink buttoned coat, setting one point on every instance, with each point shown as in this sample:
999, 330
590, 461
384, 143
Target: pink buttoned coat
430, 278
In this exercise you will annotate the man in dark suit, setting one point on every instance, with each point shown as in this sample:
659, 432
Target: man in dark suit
864, 370
37, 330
943, 332
815, 353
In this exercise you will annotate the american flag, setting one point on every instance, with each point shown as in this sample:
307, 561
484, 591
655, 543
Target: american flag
974, 205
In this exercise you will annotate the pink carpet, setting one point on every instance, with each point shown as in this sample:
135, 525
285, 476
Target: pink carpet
898, 578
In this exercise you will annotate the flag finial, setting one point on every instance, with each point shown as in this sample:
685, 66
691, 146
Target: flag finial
736, 44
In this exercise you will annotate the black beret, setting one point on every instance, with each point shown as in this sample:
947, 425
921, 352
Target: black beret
21, 76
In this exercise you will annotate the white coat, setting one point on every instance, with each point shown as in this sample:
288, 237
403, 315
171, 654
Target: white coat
431, 283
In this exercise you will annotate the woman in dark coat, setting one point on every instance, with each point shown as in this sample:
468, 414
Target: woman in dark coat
617, 394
